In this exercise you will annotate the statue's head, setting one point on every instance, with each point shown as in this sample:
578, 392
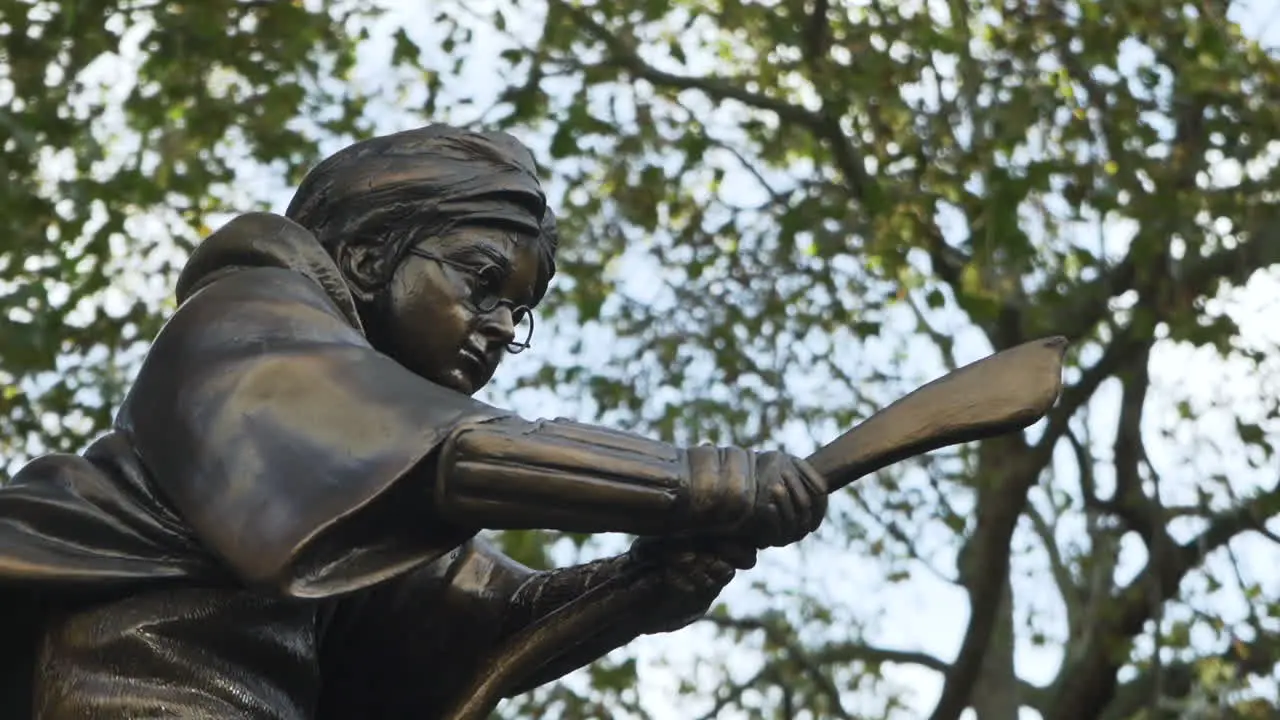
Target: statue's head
446, 243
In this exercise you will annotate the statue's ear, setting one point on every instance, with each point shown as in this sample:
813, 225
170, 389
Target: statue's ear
364, 266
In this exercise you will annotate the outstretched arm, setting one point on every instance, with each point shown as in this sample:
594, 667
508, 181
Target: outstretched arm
314, 466
406, 646
311, 465
679, 579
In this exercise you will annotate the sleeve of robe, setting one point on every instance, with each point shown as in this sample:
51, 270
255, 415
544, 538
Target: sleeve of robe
296, 453
433, 629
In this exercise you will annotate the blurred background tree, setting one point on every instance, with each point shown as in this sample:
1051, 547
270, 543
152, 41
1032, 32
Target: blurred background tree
779, 215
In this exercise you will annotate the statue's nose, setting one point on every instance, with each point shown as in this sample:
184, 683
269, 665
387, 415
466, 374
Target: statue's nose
498, 325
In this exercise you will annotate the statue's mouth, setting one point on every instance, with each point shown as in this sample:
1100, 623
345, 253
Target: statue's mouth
480, 364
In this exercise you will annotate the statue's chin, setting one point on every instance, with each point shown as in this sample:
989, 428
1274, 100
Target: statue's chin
454, 379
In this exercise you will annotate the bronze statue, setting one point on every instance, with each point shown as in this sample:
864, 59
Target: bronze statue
282, 521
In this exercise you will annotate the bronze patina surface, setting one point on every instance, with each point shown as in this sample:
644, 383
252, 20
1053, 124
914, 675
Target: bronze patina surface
283, 522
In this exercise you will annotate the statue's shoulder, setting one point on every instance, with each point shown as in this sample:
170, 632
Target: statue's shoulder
266, 241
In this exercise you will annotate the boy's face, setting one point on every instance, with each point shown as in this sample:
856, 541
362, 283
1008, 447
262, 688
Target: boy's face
435, 328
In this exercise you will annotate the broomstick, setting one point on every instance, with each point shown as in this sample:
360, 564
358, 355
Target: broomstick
1001, 393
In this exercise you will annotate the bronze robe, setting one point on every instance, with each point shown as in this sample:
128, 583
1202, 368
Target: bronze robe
254, 538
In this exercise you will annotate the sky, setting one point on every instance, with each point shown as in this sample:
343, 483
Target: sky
923, 614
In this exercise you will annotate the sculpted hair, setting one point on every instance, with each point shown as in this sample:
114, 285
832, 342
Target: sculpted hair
395, 191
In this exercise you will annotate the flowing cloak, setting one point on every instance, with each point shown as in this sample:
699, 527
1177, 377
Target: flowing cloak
266, 448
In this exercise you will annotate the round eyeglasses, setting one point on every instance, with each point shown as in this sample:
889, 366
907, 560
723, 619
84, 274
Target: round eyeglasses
485, 284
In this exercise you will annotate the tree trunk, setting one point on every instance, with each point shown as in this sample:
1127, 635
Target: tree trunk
995, 695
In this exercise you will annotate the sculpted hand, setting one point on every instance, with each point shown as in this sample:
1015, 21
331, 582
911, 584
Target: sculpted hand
766, 498
686, 575
791, 500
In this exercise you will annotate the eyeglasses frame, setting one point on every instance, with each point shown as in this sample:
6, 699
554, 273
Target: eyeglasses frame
514, 347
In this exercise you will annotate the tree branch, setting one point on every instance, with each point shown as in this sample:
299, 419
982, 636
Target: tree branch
1089, 683
824, 125
1130, 502
1262, 530
848, 652
817, 35
1061, 573
1007, 471
843, 653
944, 341
1103, 553
1256, 658
624, 56
733, 695
1118, 353
797, 653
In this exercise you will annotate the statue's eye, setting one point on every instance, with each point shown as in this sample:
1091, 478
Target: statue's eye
489, 278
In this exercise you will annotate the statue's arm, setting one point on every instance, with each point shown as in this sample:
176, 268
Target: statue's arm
512, 474
508, 473
545, 592
410, 644
314, 466
676, 579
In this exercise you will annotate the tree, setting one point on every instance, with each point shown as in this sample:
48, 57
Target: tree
124, 128
811, 175
777, 217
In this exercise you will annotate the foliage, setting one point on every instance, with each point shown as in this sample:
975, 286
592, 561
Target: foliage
819, 180
122, 127
778, 216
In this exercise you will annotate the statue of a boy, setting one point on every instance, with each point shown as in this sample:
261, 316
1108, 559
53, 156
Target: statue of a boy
282, 522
